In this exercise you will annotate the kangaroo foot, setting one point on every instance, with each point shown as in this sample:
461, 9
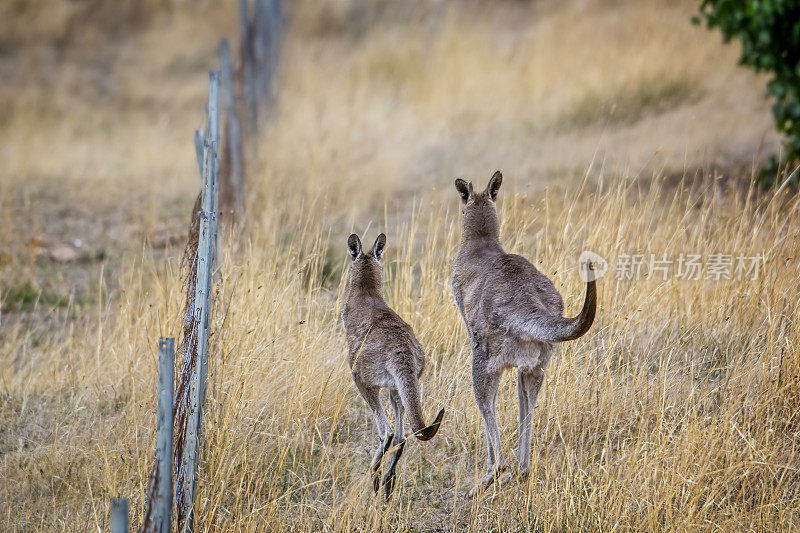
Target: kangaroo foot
389, 478
519, 471
388, 484
487, 481
376, 467
376, 481
515, 475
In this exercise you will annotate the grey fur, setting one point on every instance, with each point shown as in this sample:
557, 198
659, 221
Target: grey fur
383, 352
513, 314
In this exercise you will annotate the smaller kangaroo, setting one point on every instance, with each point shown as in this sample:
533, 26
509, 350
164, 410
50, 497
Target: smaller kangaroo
383, 353
513, 315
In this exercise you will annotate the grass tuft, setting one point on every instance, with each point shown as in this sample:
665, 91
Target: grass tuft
631, 102
25, 295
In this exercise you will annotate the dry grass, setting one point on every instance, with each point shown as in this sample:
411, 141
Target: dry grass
677, 410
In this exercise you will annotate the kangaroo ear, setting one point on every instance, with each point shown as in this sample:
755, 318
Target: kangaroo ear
494, 185
464, 189
354, 245
377, 248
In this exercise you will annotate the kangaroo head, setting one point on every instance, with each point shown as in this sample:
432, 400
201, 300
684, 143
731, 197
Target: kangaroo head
367, 270
480, 212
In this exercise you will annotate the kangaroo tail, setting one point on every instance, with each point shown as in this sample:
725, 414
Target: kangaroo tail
427, 433
409, 395
567, 329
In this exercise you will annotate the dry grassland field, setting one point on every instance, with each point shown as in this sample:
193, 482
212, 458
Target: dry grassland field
620, 128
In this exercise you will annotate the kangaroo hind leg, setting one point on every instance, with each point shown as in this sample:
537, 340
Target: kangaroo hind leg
486, 385
528, 387
399, 440
371, 395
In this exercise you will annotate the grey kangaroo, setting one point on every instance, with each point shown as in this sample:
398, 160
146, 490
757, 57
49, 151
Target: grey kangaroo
383, 353
513, 314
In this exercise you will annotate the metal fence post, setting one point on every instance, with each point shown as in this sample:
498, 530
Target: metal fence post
205, 256
166, 381
260, 46
249, 82
215, 79
233, 136
119, 515
198, 148
275, 37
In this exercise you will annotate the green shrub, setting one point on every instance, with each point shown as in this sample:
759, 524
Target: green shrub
769, 31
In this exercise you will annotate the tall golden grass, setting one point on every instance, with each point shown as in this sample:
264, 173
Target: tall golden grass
678, 410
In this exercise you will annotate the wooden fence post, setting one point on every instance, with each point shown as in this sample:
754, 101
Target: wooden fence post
233, 138
119, 515
166, 383
205, 257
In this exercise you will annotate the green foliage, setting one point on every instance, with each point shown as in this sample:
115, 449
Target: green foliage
26, 296
769, 31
